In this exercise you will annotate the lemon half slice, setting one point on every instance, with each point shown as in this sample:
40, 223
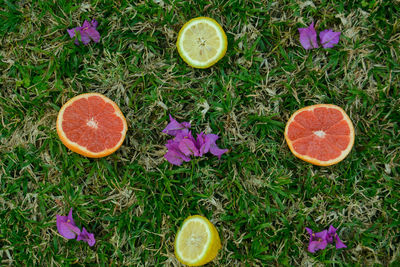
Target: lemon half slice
197, 241
201, 42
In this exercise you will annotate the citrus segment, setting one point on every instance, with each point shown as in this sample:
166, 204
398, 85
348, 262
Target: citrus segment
197, 241
328, 116
341, 142
91, 125
320, 134
308, 120
340, 128
201, 42
297, 131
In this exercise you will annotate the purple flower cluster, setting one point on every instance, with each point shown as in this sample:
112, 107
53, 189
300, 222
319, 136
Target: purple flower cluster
87, 32
68, 229
320, 240
185, 145
308, 37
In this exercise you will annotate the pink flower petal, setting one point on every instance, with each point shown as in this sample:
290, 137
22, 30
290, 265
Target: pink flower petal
174, 155
216, 151
87, 32
187, 147
331, 234
308, 37
86, 24
72, 32
174, 127
86, 237
93, 34
329, 38
66, 226
85, 38
94, 23
317, 245
339, 243
201, 144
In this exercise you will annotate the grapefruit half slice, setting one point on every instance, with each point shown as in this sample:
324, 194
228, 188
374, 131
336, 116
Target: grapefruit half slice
91, 125
320, 134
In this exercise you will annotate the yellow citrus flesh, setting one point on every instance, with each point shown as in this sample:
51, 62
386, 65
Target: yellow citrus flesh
202, 42
197, 241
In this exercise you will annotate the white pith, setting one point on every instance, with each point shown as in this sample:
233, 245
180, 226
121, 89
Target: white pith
319, 133
92, 123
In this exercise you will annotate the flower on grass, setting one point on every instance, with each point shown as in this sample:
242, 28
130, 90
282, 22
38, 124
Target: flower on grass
329, 38
185, 145
308, 37
87, 32
174, 127
206, 143
321, 239
68, 229
86, 237
174, 155
317, 240
333, 235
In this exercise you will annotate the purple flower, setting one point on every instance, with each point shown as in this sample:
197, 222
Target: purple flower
329, 38
87, 32
67, 227
174, 154
203, 143
184, 144
174, 127
318, 240
308, 37
86, 237
333, 235
188, 147
210, 140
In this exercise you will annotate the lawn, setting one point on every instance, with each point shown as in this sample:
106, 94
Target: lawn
259, 196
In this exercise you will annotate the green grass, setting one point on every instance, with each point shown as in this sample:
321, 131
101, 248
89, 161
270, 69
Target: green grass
259, 196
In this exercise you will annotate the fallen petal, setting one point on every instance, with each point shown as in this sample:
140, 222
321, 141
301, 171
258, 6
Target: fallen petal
317, 245
71, 32
86, 24
339, 243
216, 151
86, 237
93, 34
174, 127
85, 38
331, 234
308, 37
329, 38
66, 226
187, 147
94, 23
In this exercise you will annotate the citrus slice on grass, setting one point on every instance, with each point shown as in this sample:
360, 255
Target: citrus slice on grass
91, 125
201, 42
197, 241
320, 134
